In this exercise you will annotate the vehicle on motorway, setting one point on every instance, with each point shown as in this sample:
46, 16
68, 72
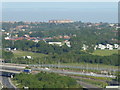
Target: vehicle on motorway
27, 70
47, 68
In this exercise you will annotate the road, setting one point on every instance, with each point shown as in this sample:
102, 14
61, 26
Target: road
6, 82
71, 72
1, 86
77, 67
86, 85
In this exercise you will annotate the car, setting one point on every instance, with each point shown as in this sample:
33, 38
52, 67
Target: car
47, 68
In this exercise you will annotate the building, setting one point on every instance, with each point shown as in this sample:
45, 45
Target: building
85, 47
67, 43
61, 21
28, 57
102, 47
116, 46
55, 43
110, 47
113, 87
7, 38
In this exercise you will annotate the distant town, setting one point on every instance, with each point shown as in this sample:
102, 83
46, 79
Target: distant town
66, 38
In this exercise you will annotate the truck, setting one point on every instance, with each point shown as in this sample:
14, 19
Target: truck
27, 70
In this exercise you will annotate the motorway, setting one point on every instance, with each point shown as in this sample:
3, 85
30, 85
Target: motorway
17, 68
71, 72
76, 67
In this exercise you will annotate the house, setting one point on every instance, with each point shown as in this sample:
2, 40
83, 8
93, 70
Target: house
111, 25
8, 49
7, 38
28, 57
3, 30
67, 43
96, 46
116, 46
102, 47
110, 47
15, 49
113, 87
7, 33
84, 47
36, 40
55, 43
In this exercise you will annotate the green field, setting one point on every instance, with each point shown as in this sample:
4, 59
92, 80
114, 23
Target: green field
105, 52
26, 53
40, 55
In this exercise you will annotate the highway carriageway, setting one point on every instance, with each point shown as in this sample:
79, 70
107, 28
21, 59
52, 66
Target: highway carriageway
10, 71
76, 67
13, 68
13, 64
71, 72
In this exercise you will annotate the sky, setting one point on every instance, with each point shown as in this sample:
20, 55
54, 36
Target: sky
76, 11
59, 0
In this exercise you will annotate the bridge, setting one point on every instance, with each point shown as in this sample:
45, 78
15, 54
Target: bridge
9, 71
12, 68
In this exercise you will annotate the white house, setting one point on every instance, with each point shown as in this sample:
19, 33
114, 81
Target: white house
6, 38
110, 47
3, 30
7, 33
28, 57
55, 43
8, 49
67, 43
111, 24
84, 47
36, 41
15, 49
113, 87
116, 46
102, 47
96, 46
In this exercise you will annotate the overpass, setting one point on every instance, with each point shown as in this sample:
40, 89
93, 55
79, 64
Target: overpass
12, 68
10, 71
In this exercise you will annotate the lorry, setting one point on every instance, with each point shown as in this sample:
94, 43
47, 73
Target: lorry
27, 70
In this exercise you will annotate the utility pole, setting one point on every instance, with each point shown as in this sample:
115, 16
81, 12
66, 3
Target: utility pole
97, 66
87, 67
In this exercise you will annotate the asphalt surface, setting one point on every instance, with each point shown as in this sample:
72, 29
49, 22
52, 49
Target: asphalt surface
71, 72
86, 85
77, 67
6, 82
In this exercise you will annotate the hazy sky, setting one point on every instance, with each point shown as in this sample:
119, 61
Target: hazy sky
44, 11
59, 0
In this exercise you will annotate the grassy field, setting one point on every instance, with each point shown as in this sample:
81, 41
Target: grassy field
26, 53
40, 55
105, 52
